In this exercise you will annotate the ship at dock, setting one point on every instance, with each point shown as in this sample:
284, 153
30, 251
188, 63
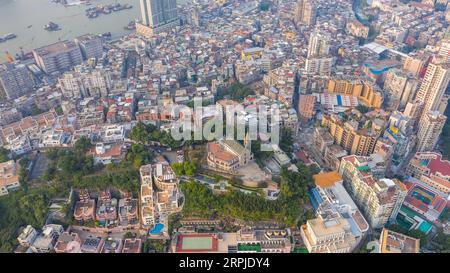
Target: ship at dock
94, 12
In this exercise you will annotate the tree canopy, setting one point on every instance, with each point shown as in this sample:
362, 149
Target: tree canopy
236, 91
83, 144
188, 168
260, 156
22, 208
287, 209
4, 155
286, 140
144, 133
138, 155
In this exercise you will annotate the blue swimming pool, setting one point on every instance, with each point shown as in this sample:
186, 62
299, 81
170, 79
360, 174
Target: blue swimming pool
378, 71
339, 100
425, 227
157, 229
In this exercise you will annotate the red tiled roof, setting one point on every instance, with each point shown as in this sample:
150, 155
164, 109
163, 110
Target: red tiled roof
219, 153
438, 165
302, 156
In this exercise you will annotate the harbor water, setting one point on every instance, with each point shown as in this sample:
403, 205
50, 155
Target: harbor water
27, 18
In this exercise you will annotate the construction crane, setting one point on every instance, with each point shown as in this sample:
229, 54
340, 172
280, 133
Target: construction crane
9, 57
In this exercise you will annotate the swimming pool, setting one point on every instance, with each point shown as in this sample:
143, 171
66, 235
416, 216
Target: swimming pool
157, 229
425, 227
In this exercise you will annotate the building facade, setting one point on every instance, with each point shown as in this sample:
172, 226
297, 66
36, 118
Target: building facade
157, 16
380, 198
431, 169
430, 128
433, 87
58, 57
91, 46
305, 12
15, 80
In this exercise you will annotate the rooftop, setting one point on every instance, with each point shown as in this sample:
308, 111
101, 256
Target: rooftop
328, 179
9, 173
220, 153
393, 242
59, 47
132, 245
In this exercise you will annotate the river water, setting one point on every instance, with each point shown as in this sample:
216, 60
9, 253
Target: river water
16, 16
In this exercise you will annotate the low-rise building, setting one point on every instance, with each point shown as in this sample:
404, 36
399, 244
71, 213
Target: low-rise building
251, 240
54, 139
68, 242
227, 155
132, 245
333, 155
357, 29
322, 139
112, 133
27, 236
19, 145
112, 245
128, 211
279, 156
394, 242
108, 153
423, 200
84, 208
92, 244
429, 168
46, 240
9, 177
106, 212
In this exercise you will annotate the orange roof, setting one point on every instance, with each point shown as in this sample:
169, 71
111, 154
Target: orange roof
146, 190
9, 174
325, 180
219, 153
114, 150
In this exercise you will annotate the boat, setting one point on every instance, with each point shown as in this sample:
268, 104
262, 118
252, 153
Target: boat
29, 26
51, 27
117, 7
92, 14
131, 26
106, 35
9, 36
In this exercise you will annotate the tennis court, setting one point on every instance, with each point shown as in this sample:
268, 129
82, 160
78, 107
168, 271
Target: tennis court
422, 195
197, 243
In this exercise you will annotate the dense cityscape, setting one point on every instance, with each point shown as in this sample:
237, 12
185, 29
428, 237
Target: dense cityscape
335, 115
